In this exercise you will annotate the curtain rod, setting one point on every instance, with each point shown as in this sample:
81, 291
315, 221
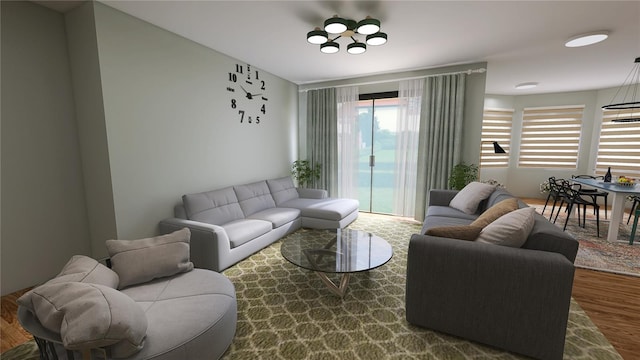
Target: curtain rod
468, 72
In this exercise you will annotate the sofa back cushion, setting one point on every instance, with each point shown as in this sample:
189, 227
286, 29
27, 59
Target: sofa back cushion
282, 189
216, 207
254, 197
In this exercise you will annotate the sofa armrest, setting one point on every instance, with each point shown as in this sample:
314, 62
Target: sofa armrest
441, 197
312, 193
208, 243
512, 298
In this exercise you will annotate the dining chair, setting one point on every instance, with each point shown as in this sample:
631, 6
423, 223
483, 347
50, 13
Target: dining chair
570, 194
635, 225
634, 206
553, 194
594, 193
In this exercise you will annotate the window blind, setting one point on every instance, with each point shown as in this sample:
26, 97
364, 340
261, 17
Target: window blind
551, 137
496, 126
619, 146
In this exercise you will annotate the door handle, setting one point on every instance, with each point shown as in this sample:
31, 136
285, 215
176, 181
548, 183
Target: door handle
372, 160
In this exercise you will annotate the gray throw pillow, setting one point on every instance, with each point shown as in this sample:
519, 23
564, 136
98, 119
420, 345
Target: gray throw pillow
468, 199
79, 268
88, 316
139, 261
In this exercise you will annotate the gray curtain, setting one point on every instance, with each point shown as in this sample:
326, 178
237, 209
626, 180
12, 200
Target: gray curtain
440, 141
322, 137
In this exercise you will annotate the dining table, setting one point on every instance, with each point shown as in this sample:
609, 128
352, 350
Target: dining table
619, 192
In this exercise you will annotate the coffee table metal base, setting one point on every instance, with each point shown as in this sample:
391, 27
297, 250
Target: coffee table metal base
339, 290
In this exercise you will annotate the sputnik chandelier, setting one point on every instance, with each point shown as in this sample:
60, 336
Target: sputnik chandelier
337, 27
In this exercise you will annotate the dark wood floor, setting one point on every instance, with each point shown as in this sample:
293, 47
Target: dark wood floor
612, 302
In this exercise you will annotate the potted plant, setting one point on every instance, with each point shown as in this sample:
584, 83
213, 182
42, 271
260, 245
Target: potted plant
304, 173
462, 174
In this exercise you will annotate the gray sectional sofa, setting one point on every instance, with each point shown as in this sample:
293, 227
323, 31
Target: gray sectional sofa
514, 298
229, 224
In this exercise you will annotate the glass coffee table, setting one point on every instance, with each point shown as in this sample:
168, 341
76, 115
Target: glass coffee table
337, 251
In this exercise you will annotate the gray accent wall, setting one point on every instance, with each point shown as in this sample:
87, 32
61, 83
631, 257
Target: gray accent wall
94, 149
44, 219
106, 122
170, 126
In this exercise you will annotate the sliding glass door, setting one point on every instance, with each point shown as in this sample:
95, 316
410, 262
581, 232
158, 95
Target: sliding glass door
377, 116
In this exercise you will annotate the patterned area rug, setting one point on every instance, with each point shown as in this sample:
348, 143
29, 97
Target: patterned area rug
596, 252
285, 312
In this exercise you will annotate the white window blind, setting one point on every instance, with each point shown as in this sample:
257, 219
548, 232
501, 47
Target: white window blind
551, 137
619, 146
496, 126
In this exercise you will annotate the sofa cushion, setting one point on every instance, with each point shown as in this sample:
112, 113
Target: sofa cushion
511, 229
326, 209
242, 231
490, 215
462, 232
277, 216
498, 195
90, 315
191, 315
216, 207
138, 261
468, 199
254, 197
282, 189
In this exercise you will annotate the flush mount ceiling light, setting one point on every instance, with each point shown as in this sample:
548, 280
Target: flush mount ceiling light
587, 39
337, 27
626, 100
526, 85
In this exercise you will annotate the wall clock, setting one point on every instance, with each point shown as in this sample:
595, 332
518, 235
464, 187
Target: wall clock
248, 94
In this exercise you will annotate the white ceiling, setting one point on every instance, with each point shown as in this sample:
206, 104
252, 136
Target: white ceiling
522, 41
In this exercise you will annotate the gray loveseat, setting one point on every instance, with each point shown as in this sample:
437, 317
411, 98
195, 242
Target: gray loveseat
229, 224
512, 298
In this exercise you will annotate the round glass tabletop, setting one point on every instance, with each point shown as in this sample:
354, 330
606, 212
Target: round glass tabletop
336, 250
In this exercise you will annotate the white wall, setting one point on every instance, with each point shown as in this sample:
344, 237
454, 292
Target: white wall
44, 218
525, 182
170, 126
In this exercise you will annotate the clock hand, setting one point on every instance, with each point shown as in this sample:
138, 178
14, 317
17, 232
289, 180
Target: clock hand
249, 96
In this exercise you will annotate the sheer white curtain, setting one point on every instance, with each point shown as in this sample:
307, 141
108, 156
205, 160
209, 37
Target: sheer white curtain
407, 138
348, 141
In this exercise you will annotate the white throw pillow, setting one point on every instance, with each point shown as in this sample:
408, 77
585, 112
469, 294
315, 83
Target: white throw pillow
511, 229
468, 199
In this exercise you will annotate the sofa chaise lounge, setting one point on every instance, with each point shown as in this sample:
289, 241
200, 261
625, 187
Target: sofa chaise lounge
229, 224
514, 298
